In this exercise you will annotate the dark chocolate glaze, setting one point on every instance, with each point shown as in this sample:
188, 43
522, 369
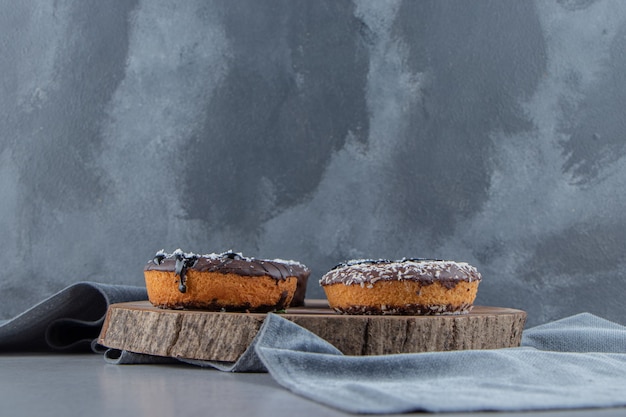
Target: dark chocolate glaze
225, 263
425, 271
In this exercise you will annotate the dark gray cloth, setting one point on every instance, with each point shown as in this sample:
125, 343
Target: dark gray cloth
67, 321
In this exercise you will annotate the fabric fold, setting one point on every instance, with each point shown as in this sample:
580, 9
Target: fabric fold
557, 368
582, 332
67, 321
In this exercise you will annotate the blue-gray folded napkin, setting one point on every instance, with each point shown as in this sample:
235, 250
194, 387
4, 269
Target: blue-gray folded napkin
67, 321
577, 362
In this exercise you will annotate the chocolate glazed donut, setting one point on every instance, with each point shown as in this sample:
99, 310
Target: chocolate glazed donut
410, 286
216, 280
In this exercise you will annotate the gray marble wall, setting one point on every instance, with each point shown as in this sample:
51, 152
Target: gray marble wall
488, 131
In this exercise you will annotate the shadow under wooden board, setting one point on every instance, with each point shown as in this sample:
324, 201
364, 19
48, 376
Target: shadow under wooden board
221, 336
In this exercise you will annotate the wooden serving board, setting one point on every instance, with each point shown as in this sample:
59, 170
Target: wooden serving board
139, 327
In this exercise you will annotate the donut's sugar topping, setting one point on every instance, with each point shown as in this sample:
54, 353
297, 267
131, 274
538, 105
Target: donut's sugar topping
289, 262
179, 253
381, 261
367, 271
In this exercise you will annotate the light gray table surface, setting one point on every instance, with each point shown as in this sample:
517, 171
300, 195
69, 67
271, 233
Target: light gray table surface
84, 385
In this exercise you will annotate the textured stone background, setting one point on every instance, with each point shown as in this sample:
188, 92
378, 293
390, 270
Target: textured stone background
490, 132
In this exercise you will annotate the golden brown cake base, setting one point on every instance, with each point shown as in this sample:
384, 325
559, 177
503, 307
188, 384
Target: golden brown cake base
402, 297
216, 291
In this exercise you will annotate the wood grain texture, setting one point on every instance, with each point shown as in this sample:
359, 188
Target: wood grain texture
140, 327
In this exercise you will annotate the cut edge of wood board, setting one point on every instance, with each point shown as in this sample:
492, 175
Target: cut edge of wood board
226, 335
